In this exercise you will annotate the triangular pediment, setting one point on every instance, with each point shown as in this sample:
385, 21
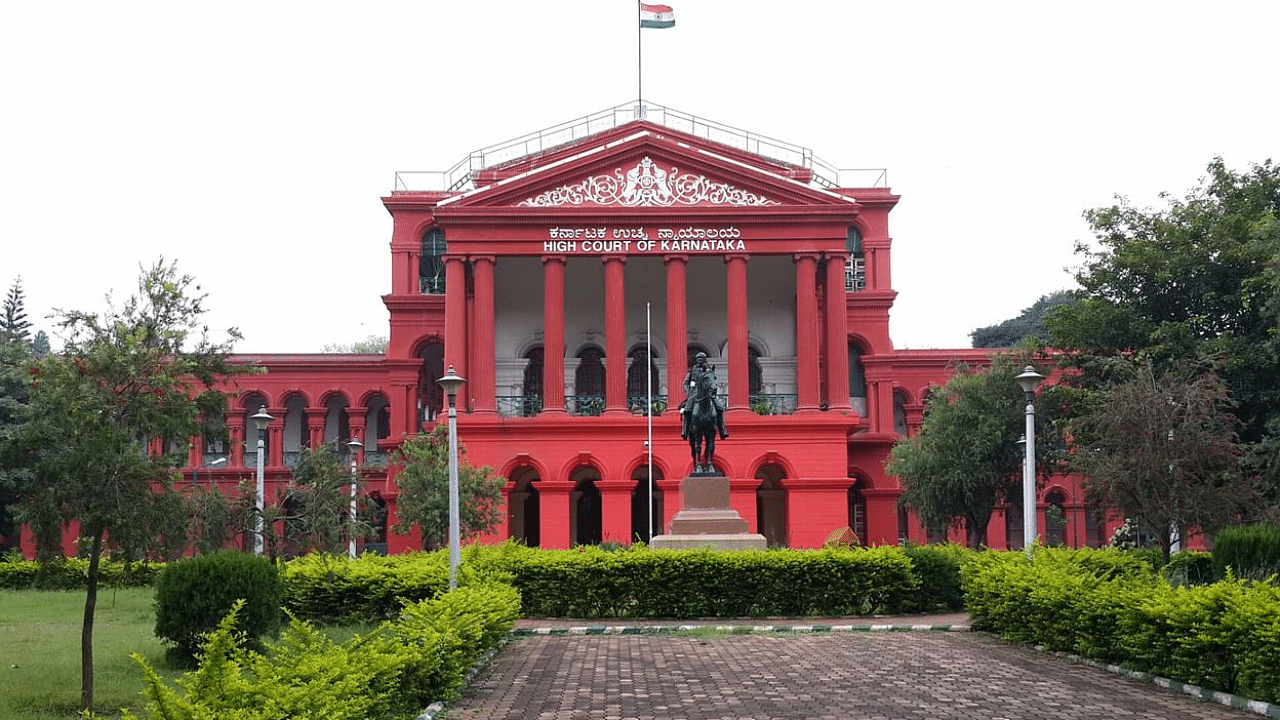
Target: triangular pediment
644, 166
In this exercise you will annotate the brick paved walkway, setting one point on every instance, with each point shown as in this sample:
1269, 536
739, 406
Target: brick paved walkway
847, 675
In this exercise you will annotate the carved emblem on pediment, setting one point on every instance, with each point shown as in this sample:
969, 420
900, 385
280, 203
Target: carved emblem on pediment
647, 185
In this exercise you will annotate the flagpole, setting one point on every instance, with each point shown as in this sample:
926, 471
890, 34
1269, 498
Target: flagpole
648, 340
639, 58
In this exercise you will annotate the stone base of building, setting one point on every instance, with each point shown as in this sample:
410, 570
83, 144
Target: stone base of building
706, 521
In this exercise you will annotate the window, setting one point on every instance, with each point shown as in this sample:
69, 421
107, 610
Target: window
588, 382
532, 398
855, 267
431, 263
637, 382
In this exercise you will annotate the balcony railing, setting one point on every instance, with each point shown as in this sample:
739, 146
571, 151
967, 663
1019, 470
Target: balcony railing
519, 405
773, 404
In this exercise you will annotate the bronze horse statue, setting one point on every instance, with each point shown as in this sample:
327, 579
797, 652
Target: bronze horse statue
703, 424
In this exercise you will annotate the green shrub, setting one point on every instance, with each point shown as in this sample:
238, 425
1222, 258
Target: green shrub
396, 671
937, 569
1251, 551
1189, 567
194, 595
335, 589
17, 573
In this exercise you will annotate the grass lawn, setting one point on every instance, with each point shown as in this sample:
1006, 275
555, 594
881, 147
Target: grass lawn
40, 651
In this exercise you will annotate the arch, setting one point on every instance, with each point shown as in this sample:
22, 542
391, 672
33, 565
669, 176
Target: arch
772, 458
296, 434
771, 504
253, 402
377, 419
755, 374
1055, 518
638, 385
586, 507
856, 515
524, 506
337, 426
900, 412
640, 527
430, 394
252, 399
589, 381
531, 381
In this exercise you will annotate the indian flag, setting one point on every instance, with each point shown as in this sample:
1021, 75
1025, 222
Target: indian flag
657, 16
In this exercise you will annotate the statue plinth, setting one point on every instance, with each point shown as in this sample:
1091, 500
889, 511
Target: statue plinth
705, 519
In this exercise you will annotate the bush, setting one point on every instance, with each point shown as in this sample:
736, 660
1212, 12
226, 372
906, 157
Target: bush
194, 595
335, 589
937, 568
396, 671
1189, 567
1251, 551
17, 573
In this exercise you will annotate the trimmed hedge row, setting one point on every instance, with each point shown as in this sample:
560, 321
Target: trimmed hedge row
17, 573
641, 582
334, 589
396, 671
1103, 605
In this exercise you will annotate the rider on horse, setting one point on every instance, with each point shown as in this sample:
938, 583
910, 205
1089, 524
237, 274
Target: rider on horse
699, 368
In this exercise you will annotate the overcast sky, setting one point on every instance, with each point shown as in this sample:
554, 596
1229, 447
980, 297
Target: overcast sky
252, 141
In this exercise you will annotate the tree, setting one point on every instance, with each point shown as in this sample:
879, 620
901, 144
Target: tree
13, 400
1163, 450
40, 344
371, 345
130, 385
423, 479
14, 325
966, 459
1030, 324
1194, 282
316, 506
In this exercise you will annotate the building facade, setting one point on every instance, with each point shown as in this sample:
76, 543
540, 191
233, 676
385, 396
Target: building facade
569, 276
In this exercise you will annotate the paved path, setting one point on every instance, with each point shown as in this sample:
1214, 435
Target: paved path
860, 675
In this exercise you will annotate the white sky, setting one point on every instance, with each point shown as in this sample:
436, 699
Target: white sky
251, 141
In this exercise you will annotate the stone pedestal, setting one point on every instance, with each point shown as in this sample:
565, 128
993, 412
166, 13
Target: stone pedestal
706, 520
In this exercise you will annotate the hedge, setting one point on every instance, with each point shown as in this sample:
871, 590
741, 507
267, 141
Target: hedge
17, 573
1100, 604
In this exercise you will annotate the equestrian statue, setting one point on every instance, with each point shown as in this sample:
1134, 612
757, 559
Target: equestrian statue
702, 414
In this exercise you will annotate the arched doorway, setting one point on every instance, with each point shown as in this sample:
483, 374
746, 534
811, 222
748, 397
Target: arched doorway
640, 529
857, 516
586, 511
524, 516
430, 394
771, 505
588, 382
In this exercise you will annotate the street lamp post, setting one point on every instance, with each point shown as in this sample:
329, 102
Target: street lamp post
1028, 381
451, 382
260, 420
353, 448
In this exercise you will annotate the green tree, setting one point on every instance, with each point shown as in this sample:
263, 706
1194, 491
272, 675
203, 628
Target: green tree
130, 383
1029, 324
371, 345
13, 399
14, 324
966, 457
423, 480
40, 344
315, 508
1195, 282
1162, 449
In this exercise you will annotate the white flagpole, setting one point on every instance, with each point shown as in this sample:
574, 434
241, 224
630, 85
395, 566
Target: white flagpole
639, 58
648, 339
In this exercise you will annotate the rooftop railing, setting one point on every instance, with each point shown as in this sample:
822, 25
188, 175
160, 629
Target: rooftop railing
461, 176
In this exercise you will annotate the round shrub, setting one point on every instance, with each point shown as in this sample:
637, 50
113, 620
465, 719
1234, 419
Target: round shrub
193, 595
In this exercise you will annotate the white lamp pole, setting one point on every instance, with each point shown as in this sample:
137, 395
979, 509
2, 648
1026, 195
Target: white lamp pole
353, 449
260, 420
1028, 381
451, 382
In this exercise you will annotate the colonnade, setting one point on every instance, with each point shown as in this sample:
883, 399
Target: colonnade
469, 329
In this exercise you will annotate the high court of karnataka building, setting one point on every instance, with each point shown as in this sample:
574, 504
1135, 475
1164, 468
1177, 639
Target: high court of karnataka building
566, 272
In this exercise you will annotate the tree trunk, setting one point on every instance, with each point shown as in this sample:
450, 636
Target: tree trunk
86, 629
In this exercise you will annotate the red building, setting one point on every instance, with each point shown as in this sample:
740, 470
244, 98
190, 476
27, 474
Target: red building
563, 272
